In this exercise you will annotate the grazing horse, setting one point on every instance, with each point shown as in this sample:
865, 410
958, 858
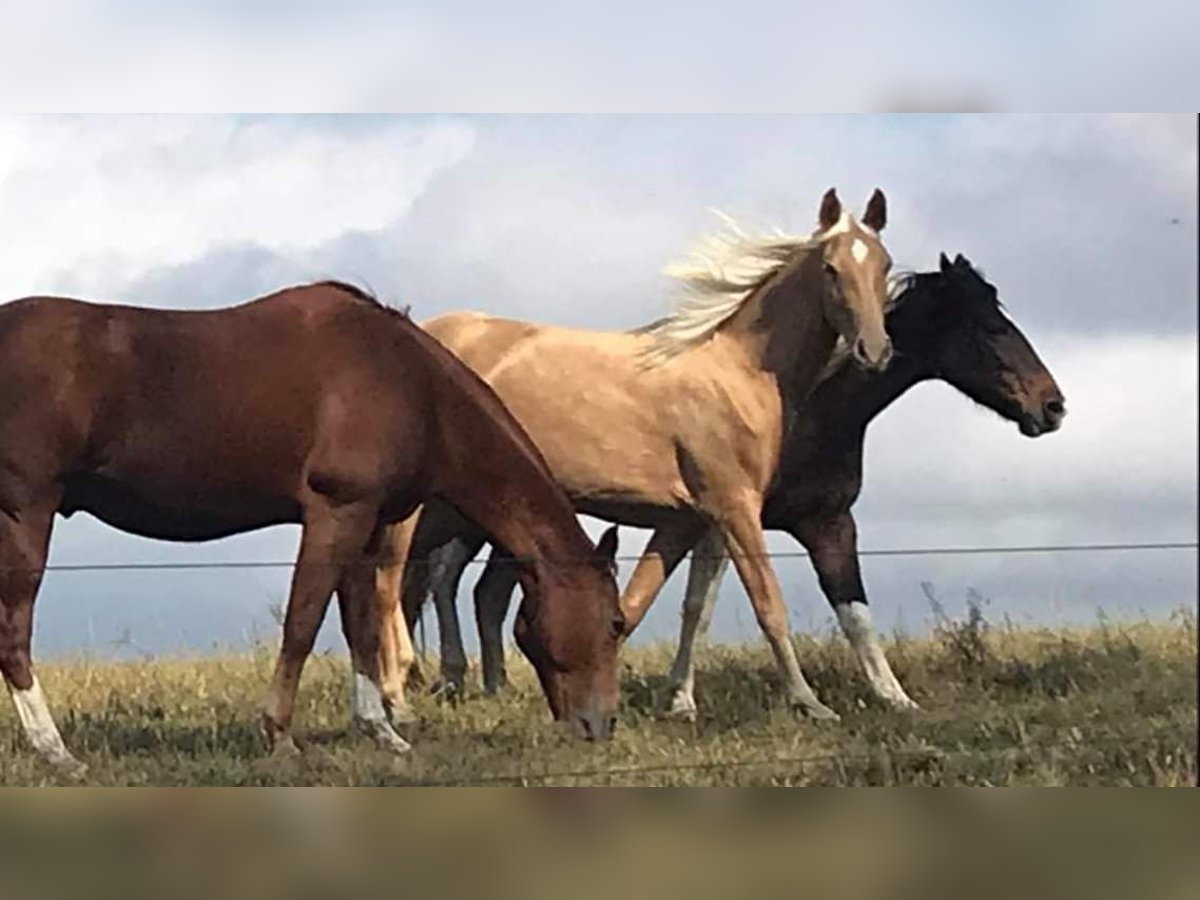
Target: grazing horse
946, 325
678, 425
316, 405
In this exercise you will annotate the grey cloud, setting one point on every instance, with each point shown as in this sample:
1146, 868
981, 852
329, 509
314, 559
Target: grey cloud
571, 219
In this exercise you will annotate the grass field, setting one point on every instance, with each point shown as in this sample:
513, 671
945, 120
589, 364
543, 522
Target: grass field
1109, 705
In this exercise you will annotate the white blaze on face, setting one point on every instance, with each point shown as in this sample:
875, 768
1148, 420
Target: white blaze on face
859, 250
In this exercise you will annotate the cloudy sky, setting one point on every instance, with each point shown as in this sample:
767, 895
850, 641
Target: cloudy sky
1087, 225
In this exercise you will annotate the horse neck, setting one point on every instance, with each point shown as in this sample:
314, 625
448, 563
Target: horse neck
826, 433
848, 400
531, 524
490, 470
507, 492
782, 329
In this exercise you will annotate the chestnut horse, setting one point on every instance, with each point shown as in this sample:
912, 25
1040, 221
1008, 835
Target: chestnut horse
315, 405
946, 325
682, 420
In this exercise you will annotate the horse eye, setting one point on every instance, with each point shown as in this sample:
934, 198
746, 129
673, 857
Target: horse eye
831, 271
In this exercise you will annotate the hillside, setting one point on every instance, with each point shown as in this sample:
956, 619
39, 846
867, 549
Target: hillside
1110, 705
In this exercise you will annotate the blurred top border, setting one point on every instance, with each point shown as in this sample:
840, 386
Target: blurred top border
461, 56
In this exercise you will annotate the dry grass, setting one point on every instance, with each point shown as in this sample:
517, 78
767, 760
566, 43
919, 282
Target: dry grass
1111, 705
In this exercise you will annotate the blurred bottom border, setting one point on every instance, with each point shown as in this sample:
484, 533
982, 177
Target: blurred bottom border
595, 842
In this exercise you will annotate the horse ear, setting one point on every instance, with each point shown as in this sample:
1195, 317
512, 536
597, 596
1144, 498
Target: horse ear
831, 210
606, 548
944, 264
960, 262
876, 215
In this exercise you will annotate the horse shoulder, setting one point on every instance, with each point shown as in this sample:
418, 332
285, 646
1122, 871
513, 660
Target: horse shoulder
743, 401
729, 435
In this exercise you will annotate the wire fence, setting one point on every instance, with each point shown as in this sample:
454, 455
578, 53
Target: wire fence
881, 764
174, 565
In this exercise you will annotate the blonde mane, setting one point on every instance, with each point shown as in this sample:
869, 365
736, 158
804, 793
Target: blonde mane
723, 272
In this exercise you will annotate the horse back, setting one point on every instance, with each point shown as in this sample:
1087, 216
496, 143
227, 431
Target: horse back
253, 401
480, 340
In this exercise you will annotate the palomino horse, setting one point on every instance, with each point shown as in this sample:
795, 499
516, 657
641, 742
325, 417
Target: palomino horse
678, 425
315, 405
946, 325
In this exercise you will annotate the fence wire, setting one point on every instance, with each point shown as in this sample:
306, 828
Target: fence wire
881, 761
779, 554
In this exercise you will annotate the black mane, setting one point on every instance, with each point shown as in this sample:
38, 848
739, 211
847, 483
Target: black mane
362, 295
928, 286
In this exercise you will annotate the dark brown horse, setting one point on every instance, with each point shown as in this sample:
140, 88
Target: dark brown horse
315, 405
946, 325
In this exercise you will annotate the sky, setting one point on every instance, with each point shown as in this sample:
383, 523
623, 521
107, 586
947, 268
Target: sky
1086, 224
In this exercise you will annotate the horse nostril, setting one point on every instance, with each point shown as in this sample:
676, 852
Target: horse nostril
863, 356
1055, 408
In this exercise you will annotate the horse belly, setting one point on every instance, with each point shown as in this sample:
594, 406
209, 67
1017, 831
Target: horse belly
125, 507
635, 513
814, 494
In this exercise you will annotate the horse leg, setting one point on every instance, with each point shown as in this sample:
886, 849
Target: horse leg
447, 574
361, 624
23, 543
832, 543
435, 526
493, 594
748, 547
708, 565
396, 655
666, 548
332, 537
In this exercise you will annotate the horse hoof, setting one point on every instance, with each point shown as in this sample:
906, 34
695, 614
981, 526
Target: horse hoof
403, 715
816, 711
384, 736
447, 692
69, 768
902, 704
681, 710
284, 747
